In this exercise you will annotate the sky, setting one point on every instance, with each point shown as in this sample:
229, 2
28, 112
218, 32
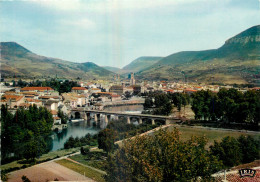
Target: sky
115, 32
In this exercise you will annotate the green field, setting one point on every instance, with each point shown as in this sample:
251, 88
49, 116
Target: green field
82, 170
95, 160
210, 133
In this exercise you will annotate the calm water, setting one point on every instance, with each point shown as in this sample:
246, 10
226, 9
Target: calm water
82, 128
78, 129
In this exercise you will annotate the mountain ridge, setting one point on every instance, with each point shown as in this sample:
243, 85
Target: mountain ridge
237, 59
16, 59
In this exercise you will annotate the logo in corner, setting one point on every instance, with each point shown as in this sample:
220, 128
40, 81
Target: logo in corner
247, 173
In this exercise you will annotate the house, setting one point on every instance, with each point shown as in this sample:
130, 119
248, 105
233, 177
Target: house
98, 106
13, 101
44, 99
79, 90
33, 101
73, 100
51, 104
56, 118
137, 89
118, 89
116, 98
63, 108
37, 89
33, 95
95, 90
128, 89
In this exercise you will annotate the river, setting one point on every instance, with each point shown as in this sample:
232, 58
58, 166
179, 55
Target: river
81, 128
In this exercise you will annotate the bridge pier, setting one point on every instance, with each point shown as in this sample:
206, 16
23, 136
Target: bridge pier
106, 118
153, 122
116, 117
88, 116
85, 117
128, 120
140, 120
97, 117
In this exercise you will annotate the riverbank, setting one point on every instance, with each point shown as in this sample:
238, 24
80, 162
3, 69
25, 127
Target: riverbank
186, 132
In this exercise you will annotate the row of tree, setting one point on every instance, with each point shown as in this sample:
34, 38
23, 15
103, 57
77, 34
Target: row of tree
26, 133
162, 103
165, 157
227, 105
60, 86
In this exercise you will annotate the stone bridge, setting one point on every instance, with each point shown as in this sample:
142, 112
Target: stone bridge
87, 114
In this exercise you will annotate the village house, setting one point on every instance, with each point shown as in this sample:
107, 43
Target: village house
73, 100
79, 90
118, 89
52, 104
128, 89
44, 99
116, 98
12, 101
94, 90
31, 101
98, 106
41, 90
56, 118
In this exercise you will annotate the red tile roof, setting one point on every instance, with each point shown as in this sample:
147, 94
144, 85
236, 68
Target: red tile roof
48, 97
15, 97
32, 100
115, 95
36, 88
53, 112
79, 88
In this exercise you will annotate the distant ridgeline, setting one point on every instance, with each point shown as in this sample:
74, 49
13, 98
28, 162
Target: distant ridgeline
17, 60
237, 61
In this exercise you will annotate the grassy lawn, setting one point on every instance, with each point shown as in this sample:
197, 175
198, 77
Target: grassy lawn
94, 159
44, 157
82, 169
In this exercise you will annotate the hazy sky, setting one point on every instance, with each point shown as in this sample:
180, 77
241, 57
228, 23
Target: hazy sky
115, 32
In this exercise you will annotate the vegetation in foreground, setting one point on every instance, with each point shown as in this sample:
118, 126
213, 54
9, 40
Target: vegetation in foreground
165, 156
94, 159
82, 170
25, 134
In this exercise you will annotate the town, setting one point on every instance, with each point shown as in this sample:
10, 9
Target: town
130, 91
94, 94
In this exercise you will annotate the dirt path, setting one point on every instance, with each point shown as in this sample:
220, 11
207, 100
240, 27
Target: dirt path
47, 171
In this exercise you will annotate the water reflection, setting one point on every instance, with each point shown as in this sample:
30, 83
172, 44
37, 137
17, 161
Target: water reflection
82, 128
78, 129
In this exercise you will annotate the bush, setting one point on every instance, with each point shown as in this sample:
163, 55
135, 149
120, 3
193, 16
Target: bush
161, 157
233, 151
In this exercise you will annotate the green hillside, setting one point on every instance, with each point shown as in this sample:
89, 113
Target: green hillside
113, 69
237, 61
141, 63
17, 60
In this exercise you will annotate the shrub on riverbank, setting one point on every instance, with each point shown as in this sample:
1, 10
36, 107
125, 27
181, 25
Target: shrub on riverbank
79, 142
126, 130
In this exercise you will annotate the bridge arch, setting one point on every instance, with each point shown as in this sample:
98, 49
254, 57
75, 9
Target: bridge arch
77, 115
